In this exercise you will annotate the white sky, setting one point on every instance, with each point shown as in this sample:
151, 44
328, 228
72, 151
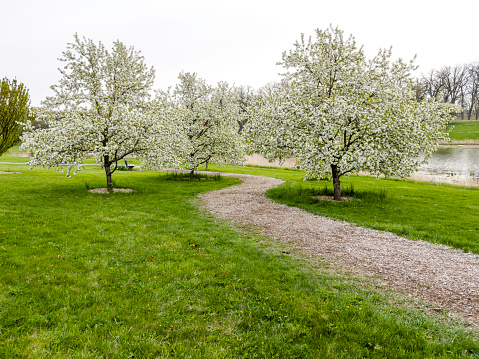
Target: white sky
235, 41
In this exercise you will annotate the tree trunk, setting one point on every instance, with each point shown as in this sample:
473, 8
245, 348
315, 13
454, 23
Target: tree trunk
336, 182
469, 112
192, 168
109, 181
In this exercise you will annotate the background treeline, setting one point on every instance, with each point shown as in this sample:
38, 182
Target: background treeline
458, 85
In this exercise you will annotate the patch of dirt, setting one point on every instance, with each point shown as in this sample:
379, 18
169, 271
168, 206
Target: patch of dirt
104, 190
17, 154
331, 198
9, 173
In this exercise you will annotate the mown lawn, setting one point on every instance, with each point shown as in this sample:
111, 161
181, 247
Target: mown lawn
464, 130
14, 159
147, 274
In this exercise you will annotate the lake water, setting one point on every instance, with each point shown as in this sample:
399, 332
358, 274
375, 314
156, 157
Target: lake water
453, 164
458, 164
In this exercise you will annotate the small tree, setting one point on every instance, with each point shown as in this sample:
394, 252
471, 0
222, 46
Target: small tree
343, 113
209, 117
101, 108
14, 110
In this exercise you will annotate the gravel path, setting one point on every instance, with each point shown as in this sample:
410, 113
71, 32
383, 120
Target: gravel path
445, 277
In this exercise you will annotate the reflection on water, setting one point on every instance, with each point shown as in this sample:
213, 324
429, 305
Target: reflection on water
454, 163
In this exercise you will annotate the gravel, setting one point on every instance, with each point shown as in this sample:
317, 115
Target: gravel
444, 277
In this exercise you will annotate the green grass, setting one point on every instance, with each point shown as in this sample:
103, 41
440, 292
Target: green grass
147, 275
15, 155
464, 130
436, 213
14, 151
14, 159
15, 148
286, 174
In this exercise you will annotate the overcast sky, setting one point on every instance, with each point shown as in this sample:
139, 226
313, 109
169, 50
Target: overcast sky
235, 41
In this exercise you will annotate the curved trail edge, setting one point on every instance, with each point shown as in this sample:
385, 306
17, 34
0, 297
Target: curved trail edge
441, 275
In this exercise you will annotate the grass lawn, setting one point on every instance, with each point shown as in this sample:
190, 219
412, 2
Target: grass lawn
147, 274
437, 213
15, 150
14, 159
464, 130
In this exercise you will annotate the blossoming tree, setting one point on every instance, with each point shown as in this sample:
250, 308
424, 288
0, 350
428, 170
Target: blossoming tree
101, 108
342, 113
209, 117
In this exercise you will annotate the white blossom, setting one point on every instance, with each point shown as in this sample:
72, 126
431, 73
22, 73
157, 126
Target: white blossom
342, 113
101, 108
209, 118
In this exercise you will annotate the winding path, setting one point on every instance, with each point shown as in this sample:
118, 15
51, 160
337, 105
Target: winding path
445, 277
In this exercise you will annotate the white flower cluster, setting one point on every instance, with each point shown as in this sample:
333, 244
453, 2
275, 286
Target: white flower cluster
209, 119
341, 113
101, 108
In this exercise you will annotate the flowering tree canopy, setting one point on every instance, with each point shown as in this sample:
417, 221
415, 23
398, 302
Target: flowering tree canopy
342, 113
209, 117
101, 108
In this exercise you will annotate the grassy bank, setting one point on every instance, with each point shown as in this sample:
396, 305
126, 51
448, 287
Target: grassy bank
466, 132
14, 159
147, 274
434, 212
15, 151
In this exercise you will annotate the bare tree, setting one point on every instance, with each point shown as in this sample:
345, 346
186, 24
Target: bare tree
272, 89
245, 96
451, 84
454, 79
432, 85
472, 90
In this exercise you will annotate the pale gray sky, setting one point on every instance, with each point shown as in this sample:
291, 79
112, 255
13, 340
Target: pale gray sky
235, 41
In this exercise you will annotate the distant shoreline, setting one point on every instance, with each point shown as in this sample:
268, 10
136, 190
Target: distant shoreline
459, 143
